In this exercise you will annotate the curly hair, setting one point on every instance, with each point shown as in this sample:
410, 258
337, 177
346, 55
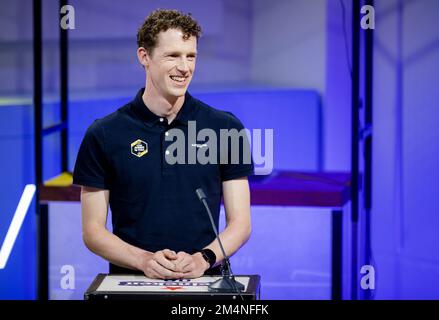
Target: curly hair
162, 20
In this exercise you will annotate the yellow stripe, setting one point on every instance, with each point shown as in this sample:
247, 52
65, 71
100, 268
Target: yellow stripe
65, 179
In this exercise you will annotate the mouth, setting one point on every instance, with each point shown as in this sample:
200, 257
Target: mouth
180, 80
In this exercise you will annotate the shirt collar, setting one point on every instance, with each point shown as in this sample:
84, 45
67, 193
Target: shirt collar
146, 115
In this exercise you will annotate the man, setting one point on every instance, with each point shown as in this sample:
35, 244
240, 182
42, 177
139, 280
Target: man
160, 228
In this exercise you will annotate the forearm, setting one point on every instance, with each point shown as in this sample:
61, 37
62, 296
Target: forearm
113, 249
234, 236
236, 195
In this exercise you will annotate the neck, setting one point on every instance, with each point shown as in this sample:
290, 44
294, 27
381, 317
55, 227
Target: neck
160, 105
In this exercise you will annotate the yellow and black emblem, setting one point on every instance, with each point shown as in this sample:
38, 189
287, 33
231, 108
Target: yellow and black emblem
139, 148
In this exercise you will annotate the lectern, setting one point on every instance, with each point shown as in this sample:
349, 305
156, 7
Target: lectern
138, 287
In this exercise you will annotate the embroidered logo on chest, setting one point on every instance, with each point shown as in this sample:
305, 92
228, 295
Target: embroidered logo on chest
139, 148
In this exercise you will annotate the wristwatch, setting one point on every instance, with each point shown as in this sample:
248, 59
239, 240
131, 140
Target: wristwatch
209, 256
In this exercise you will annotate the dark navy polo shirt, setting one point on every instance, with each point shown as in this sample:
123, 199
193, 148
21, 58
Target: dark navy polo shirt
153, 203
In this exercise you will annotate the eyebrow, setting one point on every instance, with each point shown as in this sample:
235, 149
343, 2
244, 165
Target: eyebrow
178, 53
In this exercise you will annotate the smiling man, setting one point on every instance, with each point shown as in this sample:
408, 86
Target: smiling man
160, 227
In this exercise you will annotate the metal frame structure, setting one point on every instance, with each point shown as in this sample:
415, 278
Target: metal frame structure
40, 133
367, 137
355, 140
361, 144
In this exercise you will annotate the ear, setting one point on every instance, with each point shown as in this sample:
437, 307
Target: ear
143, 56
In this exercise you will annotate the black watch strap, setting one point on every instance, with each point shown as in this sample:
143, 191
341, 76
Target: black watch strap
209, 256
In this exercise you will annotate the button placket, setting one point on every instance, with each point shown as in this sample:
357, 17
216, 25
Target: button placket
167, 168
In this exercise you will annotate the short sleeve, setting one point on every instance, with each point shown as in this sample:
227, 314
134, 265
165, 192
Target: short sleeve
91, 167
235, 162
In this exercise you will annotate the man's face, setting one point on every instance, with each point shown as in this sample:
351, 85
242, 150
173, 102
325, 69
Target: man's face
171, 64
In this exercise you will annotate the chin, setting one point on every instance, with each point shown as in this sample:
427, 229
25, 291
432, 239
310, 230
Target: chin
177, 92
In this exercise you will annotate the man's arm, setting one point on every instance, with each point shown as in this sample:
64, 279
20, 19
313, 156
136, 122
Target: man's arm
98, 239
236, 195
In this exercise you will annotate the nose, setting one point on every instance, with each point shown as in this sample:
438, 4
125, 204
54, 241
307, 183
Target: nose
183, 65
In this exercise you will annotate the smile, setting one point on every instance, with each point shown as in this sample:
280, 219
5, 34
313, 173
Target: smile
178, 79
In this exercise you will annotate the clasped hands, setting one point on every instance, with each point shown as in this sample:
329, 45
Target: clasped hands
167, 264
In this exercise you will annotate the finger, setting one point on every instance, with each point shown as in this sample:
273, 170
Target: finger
189, 275
152, 274
165, 263
183, 259
165, 273
181, 256
187, 264
169, 254
190, 266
